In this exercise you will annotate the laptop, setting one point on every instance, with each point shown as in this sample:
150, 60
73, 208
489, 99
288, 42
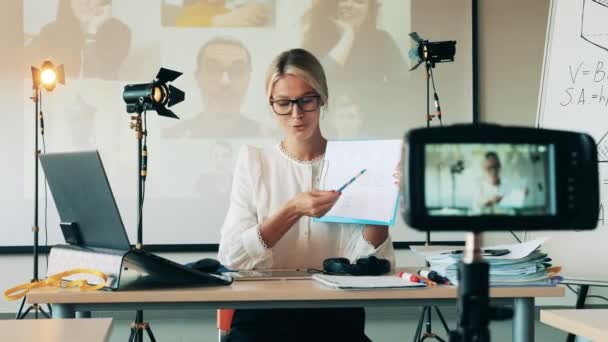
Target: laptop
91, 220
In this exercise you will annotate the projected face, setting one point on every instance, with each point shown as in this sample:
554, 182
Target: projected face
299, 124
353, 12
223, 77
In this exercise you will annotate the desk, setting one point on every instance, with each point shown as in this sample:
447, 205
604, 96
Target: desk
588, 323
285, 294
581, 297
56, 330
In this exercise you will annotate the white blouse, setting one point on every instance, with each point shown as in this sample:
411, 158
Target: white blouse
264, 181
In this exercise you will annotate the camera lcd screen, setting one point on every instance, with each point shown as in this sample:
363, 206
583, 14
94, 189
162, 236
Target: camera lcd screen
479, 179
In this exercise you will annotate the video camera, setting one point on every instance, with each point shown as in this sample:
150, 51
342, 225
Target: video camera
489, 177
486, 178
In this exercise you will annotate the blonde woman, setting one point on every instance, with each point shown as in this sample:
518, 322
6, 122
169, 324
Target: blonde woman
274, 198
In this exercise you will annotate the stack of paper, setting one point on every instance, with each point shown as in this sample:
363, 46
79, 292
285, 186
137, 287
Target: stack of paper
524, 265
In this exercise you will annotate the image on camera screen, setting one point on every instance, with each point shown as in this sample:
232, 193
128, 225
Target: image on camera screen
472, 179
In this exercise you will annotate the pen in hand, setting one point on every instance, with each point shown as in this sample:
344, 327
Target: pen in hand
351, 180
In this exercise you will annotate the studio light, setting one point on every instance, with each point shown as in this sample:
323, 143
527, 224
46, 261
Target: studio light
48, 75
156, 95
432, 52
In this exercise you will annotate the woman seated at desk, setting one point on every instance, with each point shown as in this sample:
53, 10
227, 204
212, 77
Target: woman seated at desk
274, 198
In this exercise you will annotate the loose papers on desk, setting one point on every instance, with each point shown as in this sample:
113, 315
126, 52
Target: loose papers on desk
371, 199
364, 282
525, 265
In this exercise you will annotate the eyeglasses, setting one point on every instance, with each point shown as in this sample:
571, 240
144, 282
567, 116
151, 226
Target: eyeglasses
306, 104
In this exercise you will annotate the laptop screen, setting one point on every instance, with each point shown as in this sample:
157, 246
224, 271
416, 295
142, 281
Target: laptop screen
82, 195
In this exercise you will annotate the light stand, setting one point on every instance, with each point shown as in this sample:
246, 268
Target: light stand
427, 310
474, 308
155, 95
137, 328
36, 97
47, 76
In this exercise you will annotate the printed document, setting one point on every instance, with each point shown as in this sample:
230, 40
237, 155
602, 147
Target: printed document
373, 197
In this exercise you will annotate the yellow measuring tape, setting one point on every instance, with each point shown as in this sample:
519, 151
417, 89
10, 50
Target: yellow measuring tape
56, 280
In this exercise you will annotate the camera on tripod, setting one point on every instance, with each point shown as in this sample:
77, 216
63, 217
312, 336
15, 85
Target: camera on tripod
508, 178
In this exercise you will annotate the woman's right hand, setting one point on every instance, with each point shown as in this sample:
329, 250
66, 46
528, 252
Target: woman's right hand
341, 51
314, 203
345, 28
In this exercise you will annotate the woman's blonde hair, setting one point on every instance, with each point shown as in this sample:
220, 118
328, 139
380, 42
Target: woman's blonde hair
301, 64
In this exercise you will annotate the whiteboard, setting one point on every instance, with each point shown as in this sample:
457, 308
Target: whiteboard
574, 96
191, 161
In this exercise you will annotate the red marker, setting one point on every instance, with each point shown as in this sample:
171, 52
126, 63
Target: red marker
411, 277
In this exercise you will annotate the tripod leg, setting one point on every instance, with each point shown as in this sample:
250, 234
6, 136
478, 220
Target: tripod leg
420, 322
428, 320
25, 313
44, 313
20, 308
133, 332
445, 325
150, 334
140, 329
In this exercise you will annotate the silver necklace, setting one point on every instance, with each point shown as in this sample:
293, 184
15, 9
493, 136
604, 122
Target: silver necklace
288, 155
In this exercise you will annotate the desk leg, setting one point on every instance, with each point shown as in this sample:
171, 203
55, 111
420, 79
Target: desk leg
63, 311
83, 314
580, 303
523, 319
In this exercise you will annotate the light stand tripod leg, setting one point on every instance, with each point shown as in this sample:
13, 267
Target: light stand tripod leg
44, 313
133, 332
150, 334
445, 325
18, 316
138, 327
138, 322
419, 327
426, 320
25, 313
428, 323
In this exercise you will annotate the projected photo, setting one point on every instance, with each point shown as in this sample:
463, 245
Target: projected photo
489, 179
85, 36
94, 39
218, 13
222, 76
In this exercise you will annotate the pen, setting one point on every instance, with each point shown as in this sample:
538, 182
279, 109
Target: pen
351, 180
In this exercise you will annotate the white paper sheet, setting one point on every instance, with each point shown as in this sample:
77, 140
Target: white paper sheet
373, 195
364, 282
